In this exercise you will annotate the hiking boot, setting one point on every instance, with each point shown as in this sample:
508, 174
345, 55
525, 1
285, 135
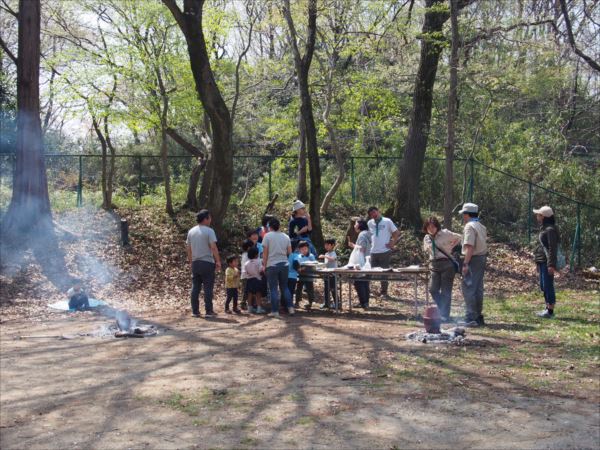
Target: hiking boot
546, 314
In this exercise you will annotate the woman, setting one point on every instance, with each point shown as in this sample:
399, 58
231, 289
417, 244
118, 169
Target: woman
300, 225
363, 242
545, 257
438, 244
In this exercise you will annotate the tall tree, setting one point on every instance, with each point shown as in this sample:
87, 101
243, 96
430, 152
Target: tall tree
30, 204
407, 207
302, 64
452, 113
190, 23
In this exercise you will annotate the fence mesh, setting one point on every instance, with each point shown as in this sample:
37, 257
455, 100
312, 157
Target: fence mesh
506, 201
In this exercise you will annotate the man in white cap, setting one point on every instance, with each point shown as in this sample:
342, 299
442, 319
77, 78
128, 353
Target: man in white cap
546, 257
474, 249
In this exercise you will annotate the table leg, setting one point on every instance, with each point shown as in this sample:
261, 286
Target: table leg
416, 297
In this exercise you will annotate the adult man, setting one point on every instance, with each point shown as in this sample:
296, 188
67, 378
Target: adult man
276, 249
204, 260
384, 235
474, 249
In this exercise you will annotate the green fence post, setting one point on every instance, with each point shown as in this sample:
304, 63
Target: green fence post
472, 180
353, 180
578, 231
140, 179
80, 183
529, 211
270, 179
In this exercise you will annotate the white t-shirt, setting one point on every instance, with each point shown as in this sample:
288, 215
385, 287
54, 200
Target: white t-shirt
277, 243
243, 264
381, 234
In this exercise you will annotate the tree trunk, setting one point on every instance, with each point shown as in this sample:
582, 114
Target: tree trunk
106, 201
302, 64
452, 113
302, 189
407, 208
207, 181
190, 22
29, 207
191, 201
164, 165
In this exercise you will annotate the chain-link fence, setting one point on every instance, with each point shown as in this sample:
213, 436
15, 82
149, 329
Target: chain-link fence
506, 200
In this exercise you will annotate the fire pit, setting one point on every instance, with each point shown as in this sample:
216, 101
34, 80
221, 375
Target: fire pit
453, 336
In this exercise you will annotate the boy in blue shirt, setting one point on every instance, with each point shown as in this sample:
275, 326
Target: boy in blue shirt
305, 256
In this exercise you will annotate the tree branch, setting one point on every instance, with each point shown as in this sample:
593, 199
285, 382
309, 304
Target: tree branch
593, 64
177, 13
8, 52
9, 10
189, 147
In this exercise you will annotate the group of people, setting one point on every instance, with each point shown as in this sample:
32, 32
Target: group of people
272, 262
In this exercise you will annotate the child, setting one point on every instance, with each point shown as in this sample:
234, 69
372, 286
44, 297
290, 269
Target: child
252, 235
300, 225
330, 258
232, 283
253, 283
78, 299
305, 256
293, 267
247, 245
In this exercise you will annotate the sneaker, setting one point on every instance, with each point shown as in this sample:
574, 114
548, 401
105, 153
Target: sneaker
260, 310
291, 311
210, 314
274, 314
323, 306
469, 324
253, 310
546, 314
237, 311
480, 321
195, 314
244, 306
227, 311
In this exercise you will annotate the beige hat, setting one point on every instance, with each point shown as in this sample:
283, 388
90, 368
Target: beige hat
469, 208
545, 211
298, 205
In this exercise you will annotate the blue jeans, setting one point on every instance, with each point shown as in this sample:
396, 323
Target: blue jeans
547, 284
277, 279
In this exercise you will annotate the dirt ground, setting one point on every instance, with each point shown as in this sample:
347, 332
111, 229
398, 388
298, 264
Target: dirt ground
316, 380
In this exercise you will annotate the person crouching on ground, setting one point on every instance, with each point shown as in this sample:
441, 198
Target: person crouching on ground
203, 257
363, 241
232, 283
254, 271
330, 259
78, 299
438, 244
545, 257
305, 256
474, 249
276, 250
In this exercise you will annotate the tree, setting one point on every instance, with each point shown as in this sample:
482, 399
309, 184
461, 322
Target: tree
452, 113
190, 23
407, 207
29, 208
302, 64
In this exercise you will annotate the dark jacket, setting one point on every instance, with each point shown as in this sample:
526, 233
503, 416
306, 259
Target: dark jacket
550, 238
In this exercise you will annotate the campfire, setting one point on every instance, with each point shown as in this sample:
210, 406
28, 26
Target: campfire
433, 332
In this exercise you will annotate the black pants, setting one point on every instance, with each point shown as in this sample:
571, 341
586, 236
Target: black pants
292, 288
232, 294
203, 274
330, 291
363, 291
310, 290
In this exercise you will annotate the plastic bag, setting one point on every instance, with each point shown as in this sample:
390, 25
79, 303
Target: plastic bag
357, 258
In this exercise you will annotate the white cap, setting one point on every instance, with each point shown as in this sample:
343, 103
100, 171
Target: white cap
298, 205
545, 211
469, 208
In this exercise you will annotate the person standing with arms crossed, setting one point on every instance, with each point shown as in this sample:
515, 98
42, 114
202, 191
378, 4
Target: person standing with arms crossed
384, 235
203, 257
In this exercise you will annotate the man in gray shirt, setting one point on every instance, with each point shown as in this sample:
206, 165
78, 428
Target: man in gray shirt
204, 260
276, 249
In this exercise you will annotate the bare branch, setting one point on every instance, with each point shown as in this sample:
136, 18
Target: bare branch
8, 9
593, 64
7, 51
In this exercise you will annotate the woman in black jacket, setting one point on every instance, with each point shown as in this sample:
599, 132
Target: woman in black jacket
545, 257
